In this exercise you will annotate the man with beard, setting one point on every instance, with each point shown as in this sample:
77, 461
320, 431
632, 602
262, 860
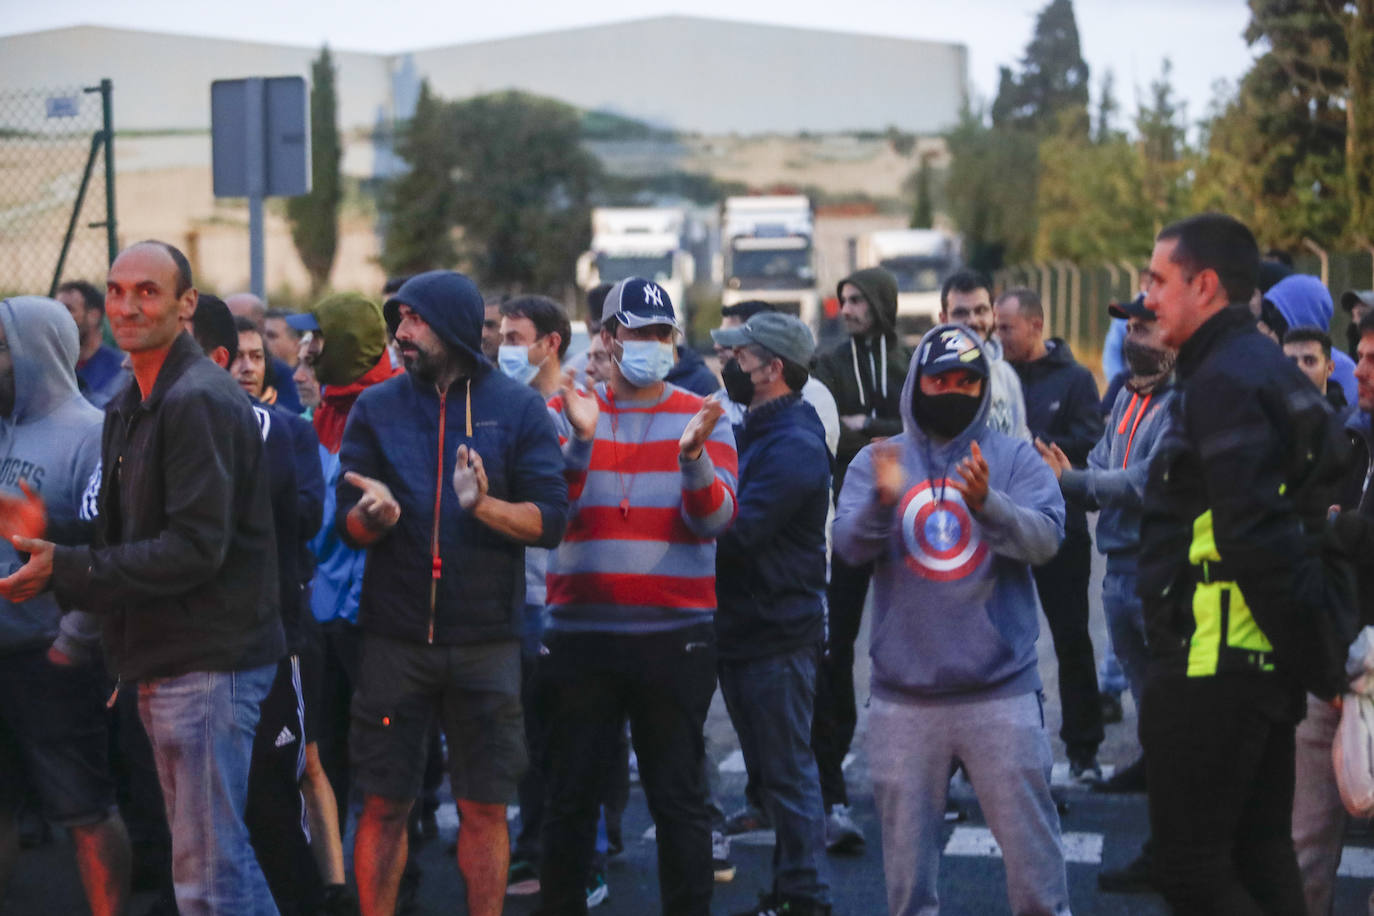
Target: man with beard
445, 531
966, 298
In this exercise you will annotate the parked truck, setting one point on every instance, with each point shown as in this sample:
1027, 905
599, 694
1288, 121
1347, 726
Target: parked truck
644, 242
767, 253
921, 260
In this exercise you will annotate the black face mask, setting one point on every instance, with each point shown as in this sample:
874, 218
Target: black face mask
1144, 360
738, 385
945, 415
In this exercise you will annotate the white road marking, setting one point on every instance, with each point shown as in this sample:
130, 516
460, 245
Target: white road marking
1081, 848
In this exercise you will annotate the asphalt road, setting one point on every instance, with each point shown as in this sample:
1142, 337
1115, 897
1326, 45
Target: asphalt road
1100, 831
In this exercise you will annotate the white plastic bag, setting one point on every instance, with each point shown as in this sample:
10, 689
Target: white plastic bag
1352, 753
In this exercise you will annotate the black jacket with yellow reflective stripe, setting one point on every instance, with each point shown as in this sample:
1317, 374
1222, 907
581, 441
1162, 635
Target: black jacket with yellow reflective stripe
1238, 445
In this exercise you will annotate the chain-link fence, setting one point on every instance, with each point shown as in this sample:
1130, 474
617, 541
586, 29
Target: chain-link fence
56, 187
1076, 296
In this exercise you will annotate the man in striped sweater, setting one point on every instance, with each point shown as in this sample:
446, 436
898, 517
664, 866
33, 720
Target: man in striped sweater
631, 601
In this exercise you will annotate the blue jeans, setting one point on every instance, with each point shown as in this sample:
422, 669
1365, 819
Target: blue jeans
1126, 626
770, 700
201, 727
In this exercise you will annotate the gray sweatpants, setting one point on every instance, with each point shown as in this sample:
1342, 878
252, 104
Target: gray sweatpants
1006, 753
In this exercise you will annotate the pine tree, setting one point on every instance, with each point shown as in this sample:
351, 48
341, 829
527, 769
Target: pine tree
418, 206
314, 217
1051, 91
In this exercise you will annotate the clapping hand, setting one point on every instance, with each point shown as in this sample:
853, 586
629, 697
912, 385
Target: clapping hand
469, 478
580, 407
889, 477
22, 516
974, 483
1054, 456
31, 578
699, 428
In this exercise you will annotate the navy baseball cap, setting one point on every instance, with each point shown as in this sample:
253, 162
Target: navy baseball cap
638, 303
951, 347
1133, 309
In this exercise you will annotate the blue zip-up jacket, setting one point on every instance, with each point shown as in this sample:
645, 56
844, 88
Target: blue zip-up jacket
337, 587
770, 565
955, 610
1305, 302
406, 434
1118, 469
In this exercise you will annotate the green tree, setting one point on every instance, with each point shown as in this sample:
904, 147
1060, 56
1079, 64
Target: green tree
418, 206
523, 188
1053, 83
1276, 153
1359, 140
923, 210
1107, 108
314, 217
990, 191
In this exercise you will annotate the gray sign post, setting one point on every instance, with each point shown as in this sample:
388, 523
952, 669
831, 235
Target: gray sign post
260, 138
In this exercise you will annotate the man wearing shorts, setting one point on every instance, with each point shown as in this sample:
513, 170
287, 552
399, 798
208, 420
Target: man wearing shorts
450, 471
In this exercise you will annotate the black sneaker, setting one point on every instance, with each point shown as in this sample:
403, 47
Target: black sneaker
747, 820
1084, 769
1112, 713
1134, 878
842, 835
1127, 779
770, 905
338, 900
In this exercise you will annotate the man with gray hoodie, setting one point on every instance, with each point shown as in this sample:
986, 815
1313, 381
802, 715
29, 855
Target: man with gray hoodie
952, 515
52, 684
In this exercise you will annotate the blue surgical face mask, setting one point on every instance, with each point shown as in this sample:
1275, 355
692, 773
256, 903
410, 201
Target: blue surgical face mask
644, 362
515, 363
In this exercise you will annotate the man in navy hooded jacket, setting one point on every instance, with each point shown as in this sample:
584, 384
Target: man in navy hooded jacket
450, 471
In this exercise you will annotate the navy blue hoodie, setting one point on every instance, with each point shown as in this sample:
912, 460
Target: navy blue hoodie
405, 434
770, 565
1063, 407
691, 372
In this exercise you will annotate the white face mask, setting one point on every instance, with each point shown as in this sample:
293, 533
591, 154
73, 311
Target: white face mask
514, 361
643, 362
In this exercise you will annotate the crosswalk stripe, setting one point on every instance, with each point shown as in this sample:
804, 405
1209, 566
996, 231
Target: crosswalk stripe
1081, 848
734, 762
1357, 862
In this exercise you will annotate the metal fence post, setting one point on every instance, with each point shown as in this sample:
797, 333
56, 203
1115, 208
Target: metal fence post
107, 111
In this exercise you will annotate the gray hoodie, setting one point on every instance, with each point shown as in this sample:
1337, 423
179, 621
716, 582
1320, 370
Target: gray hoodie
1118, 467
955, 610
50, 441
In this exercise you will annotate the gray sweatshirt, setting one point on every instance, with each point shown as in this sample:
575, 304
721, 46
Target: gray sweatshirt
1118, 466
50, 441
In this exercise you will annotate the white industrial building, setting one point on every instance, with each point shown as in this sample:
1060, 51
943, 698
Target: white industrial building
689, 74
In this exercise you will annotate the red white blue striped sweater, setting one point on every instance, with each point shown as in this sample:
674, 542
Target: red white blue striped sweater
639, 553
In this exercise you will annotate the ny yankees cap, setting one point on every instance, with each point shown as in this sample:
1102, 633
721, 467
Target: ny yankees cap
638, 303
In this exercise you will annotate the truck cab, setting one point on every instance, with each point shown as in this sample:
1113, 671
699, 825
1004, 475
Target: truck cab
767, 254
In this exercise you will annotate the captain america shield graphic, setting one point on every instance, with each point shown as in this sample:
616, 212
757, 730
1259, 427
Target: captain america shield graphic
940, 538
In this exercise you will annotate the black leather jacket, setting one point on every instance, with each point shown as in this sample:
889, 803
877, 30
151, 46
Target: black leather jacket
183, 560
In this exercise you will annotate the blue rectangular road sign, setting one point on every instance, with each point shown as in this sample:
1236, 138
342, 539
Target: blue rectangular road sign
260, 137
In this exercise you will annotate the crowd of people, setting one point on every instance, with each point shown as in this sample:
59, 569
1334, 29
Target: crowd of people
265, 571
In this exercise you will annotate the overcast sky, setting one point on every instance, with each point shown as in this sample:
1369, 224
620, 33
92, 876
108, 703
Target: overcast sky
1130, 37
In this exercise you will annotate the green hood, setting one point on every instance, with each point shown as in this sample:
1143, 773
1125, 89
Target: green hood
880, 289
354, 337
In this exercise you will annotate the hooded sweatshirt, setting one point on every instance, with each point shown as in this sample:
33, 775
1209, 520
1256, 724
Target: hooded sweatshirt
439, 575
955, 610
865, 374
51, 442
691, 372
1304, 302
1118, 469
1063, 406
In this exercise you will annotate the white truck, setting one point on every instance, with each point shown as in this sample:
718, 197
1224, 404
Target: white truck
921, 260
639, 242
767, 253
